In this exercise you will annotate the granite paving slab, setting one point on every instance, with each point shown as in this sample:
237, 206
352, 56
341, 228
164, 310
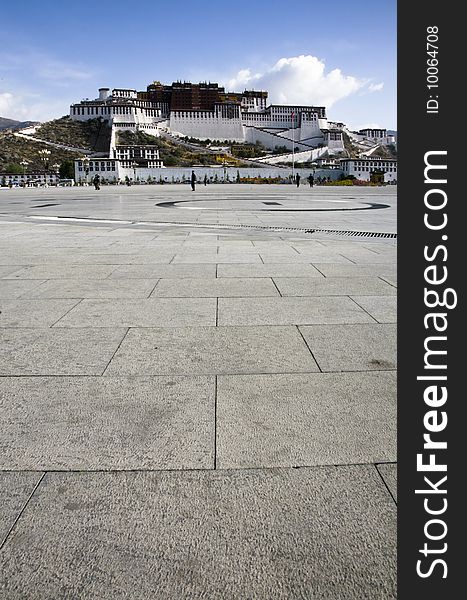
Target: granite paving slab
285, 534
58, 271
62, 423
312, 419
212, 350
11, 289
92, 288
168, 271
212, 288
268, 270
290, 311
57, 351
150, 312
8, 269
351, 270
33, 313
362, 347
333, 286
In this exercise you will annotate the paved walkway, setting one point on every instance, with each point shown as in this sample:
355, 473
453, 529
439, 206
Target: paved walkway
191, 411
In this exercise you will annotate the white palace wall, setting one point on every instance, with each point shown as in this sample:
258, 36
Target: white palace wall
206, 125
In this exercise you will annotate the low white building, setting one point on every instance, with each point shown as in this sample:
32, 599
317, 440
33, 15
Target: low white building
29, 179
376, 136
370, 169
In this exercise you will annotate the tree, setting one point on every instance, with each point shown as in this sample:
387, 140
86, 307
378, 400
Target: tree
238, 176
14, 168
67, 170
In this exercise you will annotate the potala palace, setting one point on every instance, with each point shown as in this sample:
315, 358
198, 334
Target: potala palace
206, 111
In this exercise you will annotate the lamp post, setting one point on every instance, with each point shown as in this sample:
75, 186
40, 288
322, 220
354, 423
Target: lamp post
134, 166
44, 156
56, 168
24, 164
85, 160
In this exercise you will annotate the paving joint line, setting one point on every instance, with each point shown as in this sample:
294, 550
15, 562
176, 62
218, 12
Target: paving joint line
275, 284
152, 291
347, 258
386, 281
201, 469
364, 309
315, 267
24, 507
309, 349
68, 311
384, 482
203, 374
115, 352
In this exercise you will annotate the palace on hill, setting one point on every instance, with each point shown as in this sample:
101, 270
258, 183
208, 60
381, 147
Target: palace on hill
205, 111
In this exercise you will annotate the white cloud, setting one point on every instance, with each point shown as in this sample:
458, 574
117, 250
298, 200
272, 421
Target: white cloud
6, 102
30, 107
59, 71
300, 80
375, 87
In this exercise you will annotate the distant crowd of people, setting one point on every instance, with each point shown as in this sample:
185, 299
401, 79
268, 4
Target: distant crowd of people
311, 180
193, 180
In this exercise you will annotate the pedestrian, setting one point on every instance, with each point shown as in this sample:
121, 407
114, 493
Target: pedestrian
205, 179
297, 180
193, 181
96, 182
311, 180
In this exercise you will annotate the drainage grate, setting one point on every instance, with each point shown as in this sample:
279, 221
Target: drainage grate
374, 234
345, 232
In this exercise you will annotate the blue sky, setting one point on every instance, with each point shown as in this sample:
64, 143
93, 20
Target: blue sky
341, 54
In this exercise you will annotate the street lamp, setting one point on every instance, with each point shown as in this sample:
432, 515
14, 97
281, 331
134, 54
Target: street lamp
56, 168
134, 165
44, 158
85, 160
24, 164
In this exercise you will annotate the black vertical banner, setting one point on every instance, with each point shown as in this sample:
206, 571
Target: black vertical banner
432, 248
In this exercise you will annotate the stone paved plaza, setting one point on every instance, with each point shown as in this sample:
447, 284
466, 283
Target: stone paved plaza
198, 393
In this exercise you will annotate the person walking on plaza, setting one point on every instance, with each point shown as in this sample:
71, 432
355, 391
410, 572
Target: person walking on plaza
97, 181
205, 179
311, 180
297, 180
193, 181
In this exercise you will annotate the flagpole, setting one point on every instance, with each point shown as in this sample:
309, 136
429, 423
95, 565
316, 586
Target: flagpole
293, 145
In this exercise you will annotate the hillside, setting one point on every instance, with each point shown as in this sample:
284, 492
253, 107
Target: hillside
91, 135
12, 124
14, 149
172, 154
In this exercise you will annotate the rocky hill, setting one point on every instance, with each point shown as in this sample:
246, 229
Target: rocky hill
173, 154
92, 135
12, 124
